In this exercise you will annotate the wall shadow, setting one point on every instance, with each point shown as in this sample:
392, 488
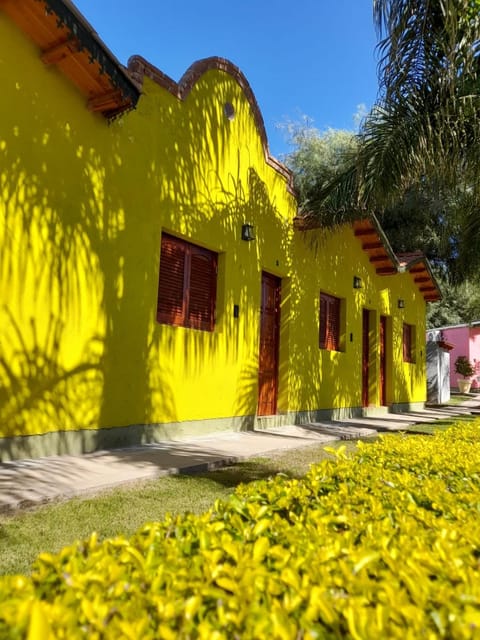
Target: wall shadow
83, 207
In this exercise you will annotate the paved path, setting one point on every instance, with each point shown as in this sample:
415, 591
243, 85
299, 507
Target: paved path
32, 482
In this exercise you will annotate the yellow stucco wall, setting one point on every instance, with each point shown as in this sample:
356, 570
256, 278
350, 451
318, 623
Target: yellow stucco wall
82, 207
327, 261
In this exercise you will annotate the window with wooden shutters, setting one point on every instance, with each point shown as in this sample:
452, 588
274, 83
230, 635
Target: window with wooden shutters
329, 322
187, 285
408, 341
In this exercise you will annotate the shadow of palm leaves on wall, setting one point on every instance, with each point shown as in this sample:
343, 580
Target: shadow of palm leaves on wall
36, 390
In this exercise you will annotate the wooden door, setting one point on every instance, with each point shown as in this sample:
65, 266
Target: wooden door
269, 345
365, 356
383, 360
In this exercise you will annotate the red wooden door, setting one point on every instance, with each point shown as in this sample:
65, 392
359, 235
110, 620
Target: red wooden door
269, 344
365, 356
383, 360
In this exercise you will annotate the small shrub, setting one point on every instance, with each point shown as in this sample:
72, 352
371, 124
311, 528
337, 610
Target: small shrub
384, 544
464, 367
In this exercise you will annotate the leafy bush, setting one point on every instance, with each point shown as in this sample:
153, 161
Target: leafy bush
464, 367
385, 544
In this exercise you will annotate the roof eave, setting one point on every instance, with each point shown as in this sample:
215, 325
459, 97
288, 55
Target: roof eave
83, 31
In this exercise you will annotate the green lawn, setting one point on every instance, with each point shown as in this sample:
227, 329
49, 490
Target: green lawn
458, 398
24, 534
429, 428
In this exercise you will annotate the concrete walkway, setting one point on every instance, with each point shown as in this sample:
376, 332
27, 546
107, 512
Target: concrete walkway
26, 483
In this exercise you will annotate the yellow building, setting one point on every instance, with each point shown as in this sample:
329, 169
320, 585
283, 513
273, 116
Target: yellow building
154, 279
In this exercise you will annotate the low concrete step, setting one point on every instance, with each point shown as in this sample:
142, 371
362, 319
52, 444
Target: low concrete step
342, 431
375, 412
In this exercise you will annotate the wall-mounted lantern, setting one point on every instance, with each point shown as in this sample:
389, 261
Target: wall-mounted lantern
247, 232
401, 303
357, 282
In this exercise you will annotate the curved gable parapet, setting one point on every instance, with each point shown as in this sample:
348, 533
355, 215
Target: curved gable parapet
138, 68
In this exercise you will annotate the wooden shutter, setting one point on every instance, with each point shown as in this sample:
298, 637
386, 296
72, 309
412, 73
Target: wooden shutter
323, 322
171, 285
187, 285
333, 324
329, 322
202, 289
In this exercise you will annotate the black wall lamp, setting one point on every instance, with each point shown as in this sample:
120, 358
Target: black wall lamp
401, 303
247, 232
357, 282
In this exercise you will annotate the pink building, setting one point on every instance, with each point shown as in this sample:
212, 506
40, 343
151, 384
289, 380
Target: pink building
465, 339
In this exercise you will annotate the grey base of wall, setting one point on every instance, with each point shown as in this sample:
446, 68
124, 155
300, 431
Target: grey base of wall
88, 440
405, 407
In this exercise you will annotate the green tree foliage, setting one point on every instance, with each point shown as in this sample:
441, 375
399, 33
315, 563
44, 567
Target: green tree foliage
429, 99
416, 159
424, 130
318, 158
460, 304
421, 220
429, 220
426, 219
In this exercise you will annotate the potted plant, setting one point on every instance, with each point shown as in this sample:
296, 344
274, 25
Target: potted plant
464, 368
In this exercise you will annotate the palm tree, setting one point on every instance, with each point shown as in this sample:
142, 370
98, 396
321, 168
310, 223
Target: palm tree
426, 44
424, 131
429, 89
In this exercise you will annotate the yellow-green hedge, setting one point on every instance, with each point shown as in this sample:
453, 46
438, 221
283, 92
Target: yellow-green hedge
380, 546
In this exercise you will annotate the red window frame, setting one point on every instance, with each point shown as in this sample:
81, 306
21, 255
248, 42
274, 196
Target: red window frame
187, 284
408, 342
329, 337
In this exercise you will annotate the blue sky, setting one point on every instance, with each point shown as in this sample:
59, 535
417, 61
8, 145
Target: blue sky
309, 57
